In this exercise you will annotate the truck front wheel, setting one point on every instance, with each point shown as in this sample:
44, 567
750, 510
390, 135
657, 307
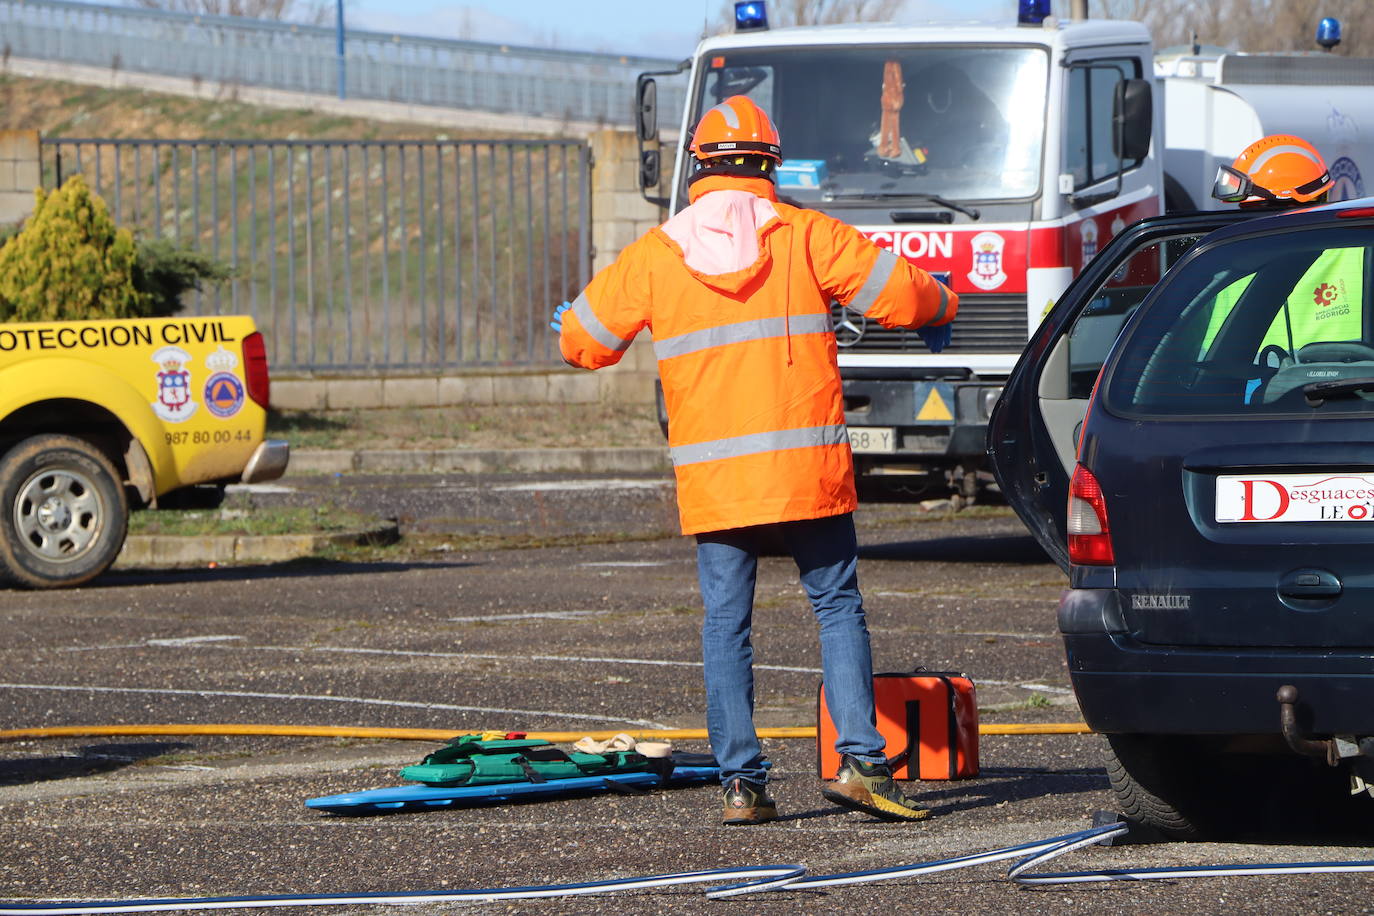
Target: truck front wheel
63, 512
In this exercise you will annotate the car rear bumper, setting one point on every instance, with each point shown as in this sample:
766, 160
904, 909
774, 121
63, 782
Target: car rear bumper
1124, 685
268, 461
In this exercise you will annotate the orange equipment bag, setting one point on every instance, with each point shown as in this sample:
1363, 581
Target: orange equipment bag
930, 722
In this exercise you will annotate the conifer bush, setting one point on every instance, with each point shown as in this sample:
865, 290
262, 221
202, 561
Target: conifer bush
69, 262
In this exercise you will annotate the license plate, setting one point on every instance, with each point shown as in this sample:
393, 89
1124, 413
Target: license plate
1338, 497
873, 439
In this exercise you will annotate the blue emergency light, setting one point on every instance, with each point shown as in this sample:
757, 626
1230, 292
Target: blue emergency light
1329, 33
751, 15
1033, 12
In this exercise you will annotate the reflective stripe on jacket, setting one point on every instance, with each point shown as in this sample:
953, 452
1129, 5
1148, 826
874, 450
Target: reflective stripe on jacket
736, 290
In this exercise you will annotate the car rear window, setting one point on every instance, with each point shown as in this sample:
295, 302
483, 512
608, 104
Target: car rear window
1271, 324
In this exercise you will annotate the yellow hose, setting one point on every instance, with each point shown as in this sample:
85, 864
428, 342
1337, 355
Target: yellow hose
441, 734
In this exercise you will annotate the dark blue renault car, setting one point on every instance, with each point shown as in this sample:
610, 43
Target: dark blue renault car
1190, 435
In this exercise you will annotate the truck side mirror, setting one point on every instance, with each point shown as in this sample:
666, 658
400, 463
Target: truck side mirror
650, 166
646, 132
1132, 120
646, 109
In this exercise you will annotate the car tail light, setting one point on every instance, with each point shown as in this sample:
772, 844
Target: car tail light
1090, 537
255, 370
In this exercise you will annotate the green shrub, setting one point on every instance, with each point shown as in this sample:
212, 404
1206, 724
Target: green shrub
164, 270
69, 262
73, 264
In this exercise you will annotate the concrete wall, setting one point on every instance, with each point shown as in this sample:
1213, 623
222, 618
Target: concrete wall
19, 173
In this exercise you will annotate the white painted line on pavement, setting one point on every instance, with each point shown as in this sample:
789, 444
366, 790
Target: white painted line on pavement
258, 488
1045, 687
626, 563
533, 615
546, 486
931, 596
167, 691
190, 640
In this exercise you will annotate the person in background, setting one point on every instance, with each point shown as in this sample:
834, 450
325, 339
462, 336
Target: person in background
1284, 171
736, 290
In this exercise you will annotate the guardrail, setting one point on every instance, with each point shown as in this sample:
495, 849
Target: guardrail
570, 85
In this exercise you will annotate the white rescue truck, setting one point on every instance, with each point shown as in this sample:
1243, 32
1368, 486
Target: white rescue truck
1000, 158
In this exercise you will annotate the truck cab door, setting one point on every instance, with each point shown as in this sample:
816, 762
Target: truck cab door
1034, 428
1108, 122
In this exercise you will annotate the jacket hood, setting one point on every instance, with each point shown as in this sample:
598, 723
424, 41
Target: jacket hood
720, 237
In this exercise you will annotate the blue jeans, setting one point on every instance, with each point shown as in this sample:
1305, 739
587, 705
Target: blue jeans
826, 553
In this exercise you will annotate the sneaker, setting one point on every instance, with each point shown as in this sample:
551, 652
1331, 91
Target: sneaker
747, 803
869, 787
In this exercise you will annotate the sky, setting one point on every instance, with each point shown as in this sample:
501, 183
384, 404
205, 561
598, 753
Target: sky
651, 28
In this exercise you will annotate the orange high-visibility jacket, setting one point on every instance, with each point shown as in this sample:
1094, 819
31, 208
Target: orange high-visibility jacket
736, 290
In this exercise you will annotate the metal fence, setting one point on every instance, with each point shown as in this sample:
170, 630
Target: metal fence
576, 86
364, 255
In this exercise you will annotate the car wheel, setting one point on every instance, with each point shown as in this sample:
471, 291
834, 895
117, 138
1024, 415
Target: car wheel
63, 512
1155, 779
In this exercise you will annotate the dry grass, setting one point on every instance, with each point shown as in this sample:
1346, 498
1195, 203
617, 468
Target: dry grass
519, 426
59, 109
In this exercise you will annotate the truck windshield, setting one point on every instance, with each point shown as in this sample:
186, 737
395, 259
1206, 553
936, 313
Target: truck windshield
880, 123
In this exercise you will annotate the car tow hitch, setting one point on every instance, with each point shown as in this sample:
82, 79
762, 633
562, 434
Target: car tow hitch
1288, 724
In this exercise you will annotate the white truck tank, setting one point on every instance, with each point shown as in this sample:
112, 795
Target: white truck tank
1215, 106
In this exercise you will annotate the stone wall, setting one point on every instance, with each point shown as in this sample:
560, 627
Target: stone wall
620, 214
19, 174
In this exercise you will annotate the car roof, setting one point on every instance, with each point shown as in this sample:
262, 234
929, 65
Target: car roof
1325, 214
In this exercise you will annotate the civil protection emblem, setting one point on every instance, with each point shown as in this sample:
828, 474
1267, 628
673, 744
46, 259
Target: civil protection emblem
223, 390
174, 401
987, 270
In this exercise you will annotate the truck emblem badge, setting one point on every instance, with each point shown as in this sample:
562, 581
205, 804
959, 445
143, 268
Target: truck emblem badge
1349, 184
174, 402
1088, 229
850, 329
987, 260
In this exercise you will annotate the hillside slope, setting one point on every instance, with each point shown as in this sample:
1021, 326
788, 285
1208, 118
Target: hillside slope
61, 109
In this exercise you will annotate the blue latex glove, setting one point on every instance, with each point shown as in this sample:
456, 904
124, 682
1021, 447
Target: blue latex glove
936, 336
557, 323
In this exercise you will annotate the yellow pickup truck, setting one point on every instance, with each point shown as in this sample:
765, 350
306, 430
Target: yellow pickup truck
98, 417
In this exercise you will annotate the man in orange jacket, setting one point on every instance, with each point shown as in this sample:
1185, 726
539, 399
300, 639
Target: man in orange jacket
736, 290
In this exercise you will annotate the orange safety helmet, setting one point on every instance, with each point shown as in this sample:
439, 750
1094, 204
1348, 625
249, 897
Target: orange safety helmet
1280, 167
736, 126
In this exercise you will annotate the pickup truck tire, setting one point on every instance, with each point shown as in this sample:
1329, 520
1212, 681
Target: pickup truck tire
1155, 780
63, 512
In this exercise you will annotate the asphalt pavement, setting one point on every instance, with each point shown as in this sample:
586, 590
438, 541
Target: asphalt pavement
590, 625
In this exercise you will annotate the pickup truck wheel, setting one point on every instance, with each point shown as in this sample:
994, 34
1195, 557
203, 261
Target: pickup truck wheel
63, 512
1155, 780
